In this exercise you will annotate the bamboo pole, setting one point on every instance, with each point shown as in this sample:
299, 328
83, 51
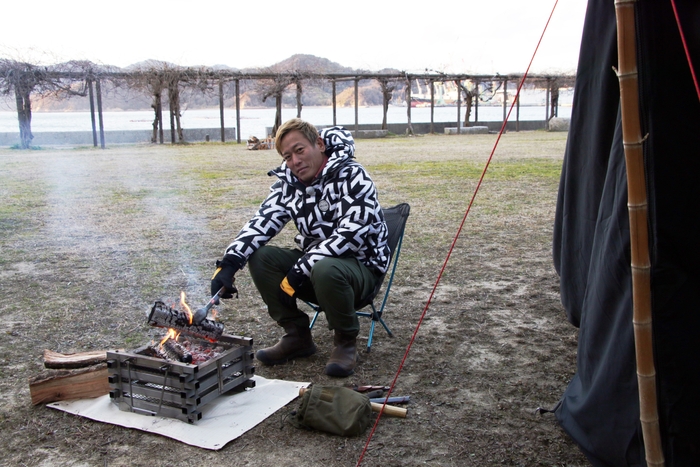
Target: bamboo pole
639, 231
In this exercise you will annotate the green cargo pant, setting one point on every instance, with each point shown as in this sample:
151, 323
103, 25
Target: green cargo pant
336, 284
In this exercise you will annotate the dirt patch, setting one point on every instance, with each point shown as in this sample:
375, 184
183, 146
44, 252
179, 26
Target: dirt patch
91, 238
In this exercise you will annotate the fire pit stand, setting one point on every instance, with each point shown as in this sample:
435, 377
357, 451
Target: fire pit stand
143, 383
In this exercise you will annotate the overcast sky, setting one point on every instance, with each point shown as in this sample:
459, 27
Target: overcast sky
488, 36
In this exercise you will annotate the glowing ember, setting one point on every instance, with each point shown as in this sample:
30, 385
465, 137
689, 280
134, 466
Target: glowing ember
202, 352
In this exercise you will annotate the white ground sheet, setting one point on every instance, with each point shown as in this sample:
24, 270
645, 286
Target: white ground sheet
224, 419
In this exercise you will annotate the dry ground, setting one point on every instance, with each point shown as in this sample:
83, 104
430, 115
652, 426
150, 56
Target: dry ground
90, 238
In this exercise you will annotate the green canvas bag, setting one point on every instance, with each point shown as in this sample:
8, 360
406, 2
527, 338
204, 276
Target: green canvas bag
333, 409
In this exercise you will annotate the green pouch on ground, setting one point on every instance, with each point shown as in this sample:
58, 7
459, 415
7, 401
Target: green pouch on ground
336, 410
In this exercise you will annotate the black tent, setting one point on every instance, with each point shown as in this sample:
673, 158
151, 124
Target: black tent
600, 407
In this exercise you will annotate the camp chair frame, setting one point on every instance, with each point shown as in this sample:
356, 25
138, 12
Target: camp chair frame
396, 218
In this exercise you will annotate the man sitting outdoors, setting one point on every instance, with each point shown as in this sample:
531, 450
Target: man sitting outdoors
342, 243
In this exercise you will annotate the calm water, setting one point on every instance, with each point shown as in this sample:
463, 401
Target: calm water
254, 121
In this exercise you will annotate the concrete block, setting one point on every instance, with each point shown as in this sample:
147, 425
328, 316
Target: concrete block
468, 130
558, 124
366, 134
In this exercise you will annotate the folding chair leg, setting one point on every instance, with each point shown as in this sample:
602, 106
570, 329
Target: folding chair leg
369, 338
391, 334
373, 323
313, 320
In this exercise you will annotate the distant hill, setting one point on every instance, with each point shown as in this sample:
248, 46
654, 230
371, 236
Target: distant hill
251, 96
311, 63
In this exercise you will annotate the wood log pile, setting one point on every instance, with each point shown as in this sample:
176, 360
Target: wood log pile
70, 376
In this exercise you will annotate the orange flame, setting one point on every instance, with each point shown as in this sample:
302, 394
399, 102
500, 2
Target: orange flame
186, 306
172, 334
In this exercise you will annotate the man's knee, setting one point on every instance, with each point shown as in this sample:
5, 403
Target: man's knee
328, 270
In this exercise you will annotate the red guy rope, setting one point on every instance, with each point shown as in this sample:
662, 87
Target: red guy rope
685, 47
454, 241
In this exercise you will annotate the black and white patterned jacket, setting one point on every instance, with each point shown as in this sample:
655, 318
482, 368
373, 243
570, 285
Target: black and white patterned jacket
337, 215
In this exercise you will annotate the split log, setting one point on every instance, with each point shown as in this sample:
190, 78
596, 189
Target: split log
166, 317
57, 360
58, 385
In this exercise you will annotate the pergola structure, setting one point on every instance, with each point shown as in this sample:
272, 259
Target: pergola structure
169, 78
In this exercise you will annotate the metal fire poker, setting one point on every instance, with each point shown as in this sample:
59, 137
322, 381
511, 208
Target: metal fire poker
202, 313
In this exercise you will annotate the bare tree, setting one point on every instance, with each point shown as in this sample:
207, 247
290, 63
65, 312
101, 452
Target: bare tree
554, 86
409, 130
172, 80
275, 88
24, 79
156, 77
149, 78
387, 88
469, 90
299, 100
276, 85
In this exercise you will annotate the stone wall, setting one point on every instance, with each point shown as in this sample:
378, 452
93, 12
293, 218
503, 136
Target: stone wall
85, 138
194, 135
423, 128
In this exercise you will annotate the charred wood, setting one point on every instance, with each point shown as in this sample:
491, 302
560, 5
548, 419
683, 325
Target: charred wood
171, 350
164, 316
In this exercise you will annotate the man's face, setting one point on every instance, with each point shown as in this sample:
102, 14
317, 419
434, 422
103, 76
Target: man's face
302, 157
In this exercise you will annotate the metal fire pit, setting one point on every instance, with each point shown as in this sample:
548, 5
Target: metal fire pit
146, 384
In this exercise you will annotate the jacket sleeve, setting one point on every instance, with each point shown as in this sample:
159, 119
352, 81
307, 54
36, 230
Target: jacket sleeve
359, 229
265, 224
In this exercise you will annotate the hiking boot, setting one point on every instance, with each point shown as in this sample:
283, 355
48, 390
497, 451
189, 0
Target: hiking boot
296, 343
344, 356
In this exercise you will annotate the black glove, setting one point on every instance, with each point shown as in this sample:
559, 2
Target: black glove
226, 268
289, 287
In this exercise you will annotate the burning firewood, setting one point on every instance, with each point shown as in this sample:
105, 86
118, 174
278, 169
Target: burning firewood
166, 317
171, 350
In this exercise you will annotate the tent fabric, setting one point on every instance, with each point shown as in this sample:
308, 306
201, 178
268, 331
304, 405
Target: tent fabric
591, 245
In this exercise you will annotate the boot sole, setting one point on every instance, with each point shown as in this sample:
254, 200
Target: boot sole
334, 369
299, 354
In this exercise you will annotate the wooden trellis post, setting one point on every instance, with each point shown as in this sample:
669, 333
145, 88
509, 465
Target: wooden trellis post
357, 100
92, 112
98, 89
459, 108
221, 110
335, 119
432, 106
238, 112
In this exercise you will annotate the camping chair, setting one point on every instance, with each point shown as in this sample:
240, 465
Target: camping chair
395, 218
